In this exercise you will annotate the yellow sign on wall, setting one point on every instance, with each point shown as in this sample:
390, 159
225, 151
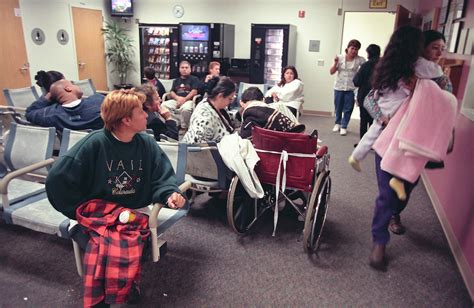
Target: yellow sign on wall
377, 4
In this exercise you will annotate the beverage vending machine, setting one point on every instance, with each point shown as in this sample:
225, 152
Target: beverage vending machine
159, 48
201, 43
272, 47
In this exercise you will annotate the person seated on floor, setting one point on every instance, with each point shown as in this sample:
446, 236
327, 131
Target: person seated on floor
108, 171
183, 90
210, 121
257, 113
67, 109
150, 77
159, 118
288, 92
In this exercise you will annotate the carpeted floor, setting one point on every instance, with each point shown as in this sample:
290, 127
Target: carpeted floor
208, 265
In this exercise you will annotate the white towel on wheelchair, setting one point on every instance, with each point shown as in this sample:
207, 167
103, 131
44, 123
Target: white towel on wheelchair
240, 156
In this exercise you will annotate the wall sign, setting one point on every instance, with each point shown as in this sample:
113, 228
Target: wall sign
37, 35
377, 4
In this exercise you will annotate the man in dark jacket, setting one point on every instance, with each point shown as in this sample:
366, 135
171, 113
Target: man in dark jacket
67, 108
363, 80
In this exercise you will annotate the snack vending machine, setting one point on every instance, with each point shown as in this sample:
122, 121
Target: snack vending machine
201, 43
272, 47
159, 48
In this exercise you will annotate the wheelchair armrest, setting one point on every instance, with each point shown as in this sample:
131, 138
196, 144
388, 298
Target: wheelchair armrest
321, 151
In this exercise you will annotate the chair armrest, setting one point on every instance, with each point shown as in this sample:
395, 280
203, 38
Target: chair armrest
163, 137
153, 219
165, 96
10, 176
196, 99
153, 225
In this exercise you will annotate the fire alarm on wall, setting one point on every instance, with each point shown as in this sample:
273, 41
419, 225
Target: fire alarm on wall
301, 13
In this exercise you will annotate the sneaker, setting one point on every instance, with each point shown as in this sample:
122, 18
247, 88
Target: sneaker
336, 128
343, 132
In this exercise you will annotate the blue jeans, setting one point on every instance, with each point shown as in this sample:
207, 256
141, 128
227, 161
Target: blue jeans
343, 103
386, 204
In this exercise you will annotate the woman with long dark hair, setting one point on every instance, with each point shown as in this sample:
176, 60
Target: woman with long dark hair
394, 78
289, 91
210, 121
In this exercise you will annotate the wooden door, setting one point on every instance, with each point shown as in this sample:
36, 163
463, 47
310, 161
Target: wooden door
90, 46
402, 17
13, 59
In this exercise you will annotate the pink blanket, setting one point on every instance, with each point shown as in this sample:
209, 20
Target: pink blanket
419, 132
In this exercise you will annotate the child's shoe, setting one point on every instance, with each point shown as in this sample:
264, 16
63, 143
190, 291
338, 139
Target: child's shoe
399, 188
354, 163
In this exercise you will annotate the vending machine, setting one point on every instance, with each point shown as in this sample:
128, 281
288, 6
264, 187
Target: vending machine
201, 43
272, 47
159, 48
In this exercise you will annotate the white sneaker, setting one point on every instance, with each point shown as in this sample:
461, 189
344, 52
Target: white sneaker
336, 128
343, 132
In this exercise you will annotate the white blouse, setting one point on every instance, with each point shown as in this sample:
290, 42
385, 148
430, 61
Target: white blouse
346, 71
289, 92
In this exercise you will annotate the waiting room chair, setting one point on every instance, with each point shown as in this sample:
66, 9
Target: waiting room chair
29, 149
160, 217
167, 83
21, 98
205, 169
244, 86
87, 86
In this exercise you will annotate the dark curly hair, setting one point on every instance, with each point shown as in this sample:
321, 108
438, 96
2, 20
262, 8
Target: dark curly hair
398, 62
46, 79
283, 71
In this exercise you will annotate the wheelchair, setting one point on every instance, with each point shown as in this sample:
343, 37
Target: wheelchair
291, 167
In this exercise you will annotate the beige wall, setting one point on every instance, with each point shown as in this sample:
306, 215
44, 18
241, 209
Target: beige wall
321, 23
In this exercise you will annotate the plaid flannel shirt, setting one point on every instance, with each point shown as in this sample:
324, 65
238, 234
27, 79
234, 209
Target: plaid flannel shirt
112, 256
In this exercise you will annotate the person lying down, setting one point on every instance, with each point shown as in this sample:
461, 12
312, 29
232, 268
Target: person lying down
257, 113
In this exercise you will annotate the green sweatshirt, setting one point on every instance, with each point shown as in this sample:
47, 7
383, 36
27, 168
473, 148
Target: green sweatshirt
133, 174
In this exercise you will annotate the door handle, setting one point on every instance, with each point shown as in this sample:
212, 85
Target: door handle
81, 64
25, 67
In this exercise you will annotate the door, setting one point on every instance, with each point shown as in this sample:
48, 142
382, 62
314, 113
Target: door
402, 17
13, 59
90, 49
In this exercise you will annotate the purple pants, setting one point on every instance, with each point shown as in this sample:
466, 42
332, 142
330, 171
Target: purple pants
386, 204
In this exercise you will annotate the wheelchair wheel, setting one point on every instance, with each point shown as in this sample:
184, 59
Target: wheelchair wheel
240, 207
316, 212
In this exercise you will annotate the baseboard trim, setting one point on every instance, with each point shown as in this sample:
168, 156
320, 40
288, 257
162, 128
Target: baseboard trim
461, 261
317, 113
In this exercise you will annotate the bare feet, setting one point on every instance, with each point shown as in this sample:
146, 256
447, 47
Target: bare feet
354, 163
399, 188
